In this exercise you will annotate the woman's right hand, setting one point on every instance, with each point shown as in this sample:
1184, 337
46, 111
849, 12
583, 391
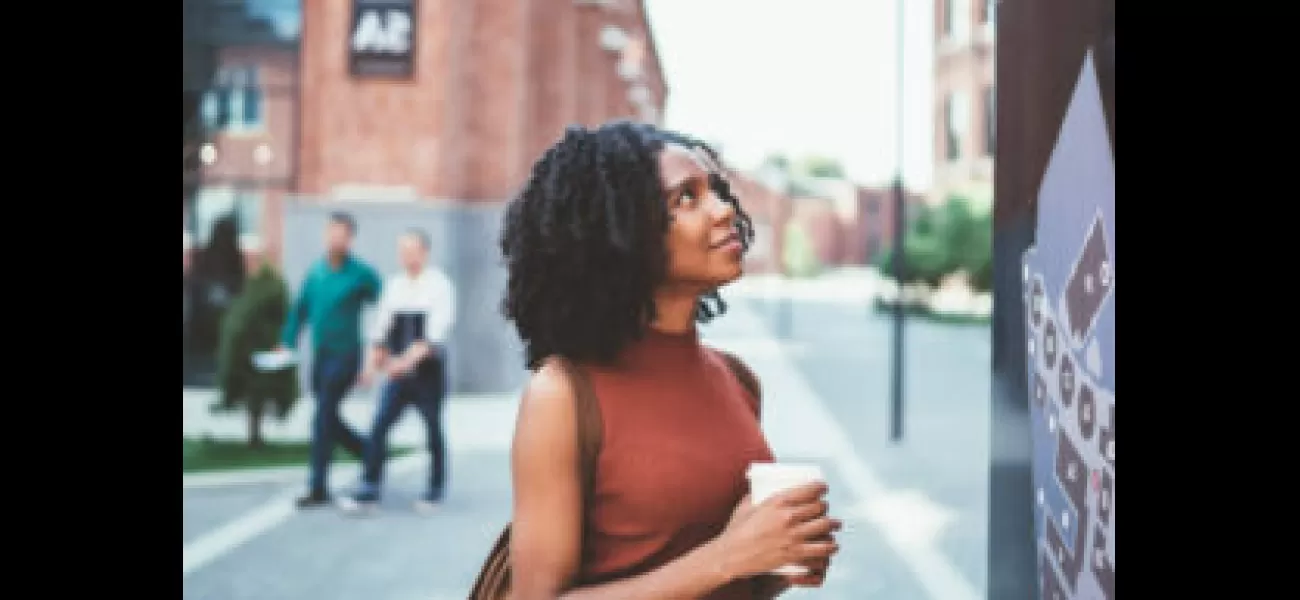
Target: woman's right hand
789, 528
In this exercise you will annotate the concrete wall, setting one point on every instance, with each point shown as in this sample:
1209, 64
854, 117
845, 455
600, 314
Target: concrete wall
486, 355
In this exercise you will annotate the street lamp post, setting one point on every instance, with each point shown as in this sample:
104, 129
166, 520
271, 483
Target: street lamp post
899, 261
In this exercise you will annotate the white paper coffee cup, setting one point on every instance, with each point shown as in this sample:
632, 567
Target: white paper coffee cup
769, 479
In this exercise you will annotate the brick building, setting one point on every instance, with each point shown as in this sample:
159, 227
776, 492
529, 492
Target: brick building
873, 231
847, 224
416, 111
965, 100
768, 210
851, 226
493, 83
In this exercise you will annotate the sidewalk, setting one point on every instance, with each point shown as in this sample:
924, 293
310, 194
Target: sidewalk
843, 285
889, 548
244, 541
248, 543
891, 535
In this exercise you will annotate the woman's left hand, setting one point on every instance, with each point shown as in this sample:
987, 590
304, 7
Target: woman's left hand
815, 577
772, 586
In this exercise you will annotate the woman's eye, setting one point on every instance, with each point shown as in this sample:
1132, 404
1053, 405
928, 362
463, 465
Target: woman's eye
687, 197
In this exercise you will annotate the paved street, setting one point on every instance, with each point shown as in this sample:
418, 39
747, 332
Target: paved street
915, 514
843, 350
397, 554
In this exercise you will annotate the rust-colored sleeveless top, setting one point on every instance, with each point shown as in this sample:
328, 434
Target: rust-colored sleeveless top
679, 432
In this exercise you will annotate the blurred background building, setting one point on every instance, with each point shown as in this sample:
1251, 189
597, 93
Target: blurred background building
397, 110
965, 100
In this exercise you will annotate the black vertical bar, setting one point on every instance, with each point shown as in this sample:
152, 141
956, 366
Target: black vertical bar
899, 262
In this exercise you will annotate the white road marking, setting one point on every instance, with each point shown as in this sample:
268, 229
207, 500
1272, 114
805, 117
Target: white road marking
233, 477
220, 541
798, 423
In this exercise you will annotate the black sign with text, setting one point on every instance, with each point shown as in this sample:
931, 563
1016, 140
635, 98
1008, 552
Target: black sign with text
381, 42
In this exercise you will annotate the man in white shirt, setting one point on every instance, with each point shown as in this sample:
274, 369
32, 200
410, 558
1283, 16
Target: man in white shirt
408, 344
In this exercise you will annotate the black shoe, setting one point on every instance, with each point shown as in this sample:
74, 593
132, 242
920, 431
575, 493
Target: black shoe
314, 500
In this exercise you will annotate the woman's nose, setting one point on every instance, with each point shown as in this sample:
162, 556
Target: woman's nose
723, 211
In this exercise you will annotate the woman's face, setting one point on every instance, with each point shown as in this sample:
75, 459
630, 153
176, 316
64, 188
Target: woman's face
703, 244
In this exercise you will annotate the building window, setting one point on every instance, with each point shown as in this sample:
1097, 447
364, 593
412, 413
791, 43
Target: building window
234, 102
957, 19
990, 120
236, 22
956, 117
283, 16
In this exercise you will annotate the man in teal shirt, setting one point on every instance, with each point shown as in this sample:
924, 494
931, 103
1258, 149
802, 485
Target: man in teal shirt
330, 302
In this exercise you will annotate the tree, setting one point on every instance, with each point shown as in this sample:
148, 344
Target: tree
969, 238
821, 166
252, 324
944, 241
778, 161
959, 230
981, 275
980, 262
799, 255
924, 222
928, 249
925, 259
216, 279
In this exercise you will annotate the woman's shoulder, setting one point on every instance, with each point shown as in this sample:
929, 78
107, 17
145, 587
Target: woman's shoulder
735, 367
546, 407
554, 387
734, 363
554, 411
551, 382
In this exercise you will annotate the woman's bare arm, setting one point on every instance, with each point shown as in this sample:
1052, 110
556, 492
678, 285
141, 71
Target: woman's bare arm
546, 542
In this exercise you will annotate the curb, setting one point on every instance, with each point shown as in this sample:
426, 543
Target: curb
251, 476
262, 475
488, 417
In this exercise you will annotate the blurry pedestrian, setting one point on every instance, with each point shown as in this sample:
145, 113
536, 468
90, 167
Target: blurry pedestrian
615, 248
330, 302
415, 314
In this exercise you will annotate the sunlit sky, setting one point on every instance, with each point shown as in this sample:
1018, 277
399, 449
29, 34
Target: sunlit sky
807, 77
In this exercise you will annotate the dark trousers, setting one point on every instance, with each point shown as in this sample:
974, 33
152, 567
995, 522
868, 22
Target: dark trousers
426, 391
332, 374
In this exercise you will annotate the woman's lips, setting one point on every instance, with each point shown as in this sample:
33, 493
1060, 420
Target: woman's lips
730, 244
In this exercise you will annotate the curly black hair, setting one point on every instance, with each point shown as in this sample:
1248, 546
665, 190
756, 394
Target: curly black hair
584, 242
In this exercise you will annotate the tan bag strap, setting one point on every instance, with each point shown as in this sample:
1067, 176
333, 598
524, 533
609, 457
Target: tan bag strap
747, 379
494, 578
591, 429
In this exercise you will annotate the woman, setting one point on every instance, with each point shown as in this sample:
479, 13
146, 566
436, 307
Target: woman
616, 247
